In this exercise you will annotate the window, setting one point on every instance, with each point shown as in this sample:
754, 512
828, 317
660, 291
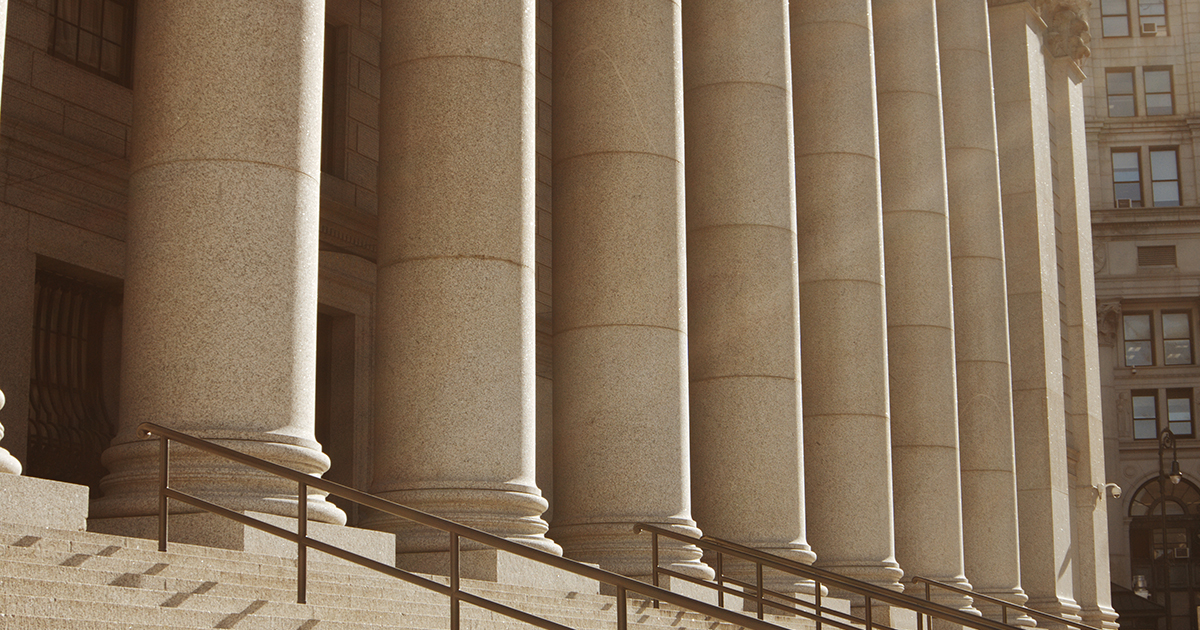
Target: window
1158, 337
1138, 341
1152, 12
1164, 176
96, 35
1159, 100
1115, 17
1145, 414
1179, 411
1120, 92
1127, 178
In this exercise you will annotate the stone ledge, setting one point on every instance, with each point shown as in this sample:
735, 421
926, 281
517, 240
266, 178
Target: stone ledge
43, 503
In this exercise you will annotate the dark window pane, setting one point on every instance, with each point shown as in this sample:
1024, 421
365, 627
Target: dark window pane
1179, 409
1152, 7
1144, 429
1121, 106
66, 39
1176, 326
68, 10
1143, 407
1116, 26
1114, 7
1181, 428
114, 22
1132, 192
1122, 83
1166, 194
1156, 105
1137, 327
1125, 167
110, 59
1177, 352
89, 49
90, 15
1163, 166
1158, 80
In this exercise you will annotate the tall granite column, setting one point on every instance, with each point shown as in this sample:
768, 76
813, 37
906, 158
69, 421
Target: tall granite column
991, 553
221, 276
920, 314
620, 328
848, 450
1066, 39
919, 296
454, 424
1027, 196
743, 308
8, 463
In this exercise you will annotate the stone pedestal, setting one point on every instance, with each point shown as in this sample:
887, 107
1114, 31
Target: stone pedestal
455, 411
989, 493
8, 463
743, 309
37, 502
220, 307
842, 306
621, 451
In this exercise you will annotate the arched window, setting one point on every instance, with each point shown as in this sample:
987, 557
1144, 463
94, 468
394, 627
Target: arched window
1182, 499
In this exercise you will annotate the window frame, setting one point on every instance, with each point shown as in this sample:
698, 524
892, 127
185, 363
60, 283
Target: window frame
1160, 19
1180, 393
1146, 93
1149, 315
1144, 393
1105, 17
124, 70
1174, 151
1132, 94
1139, 202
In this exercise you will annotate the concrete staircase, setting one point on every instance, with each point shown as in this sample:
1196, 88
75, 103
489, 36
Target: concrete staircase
56, 579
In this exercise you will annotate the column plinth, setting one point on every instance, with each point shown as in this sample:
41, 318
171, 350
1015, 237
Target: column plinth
220, 303
8, 463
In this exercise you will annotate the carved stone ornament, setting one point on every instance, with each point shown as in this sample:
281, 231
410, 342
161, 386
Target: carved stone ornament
1108, 318
1099, 256
1067, 30
1124, 418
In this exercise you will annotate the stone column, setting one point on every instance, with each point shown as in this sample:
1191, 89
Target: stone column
920, 315
1066, 39
620, 328
743, 308
1118, 423
848, 463
1027, 196
221, 275
454, 411
8, 463
985, 418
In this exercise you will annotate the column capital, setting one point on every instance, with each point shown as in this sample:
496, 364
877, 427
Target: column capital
1108, 318
1067, 30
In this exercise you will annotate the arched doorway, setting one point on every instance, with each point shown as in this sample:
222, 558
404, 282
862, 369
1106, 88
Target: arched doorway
1164, 547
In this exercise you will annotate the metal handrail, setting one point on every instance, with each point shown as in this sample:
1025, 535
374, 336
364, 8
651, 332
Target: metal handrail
456, 531
820, 577
1004, 606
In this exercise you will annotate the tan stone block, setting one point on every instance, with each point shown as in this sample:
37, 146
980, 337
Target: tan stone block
757, 54
423, 30
43, 503
837, 352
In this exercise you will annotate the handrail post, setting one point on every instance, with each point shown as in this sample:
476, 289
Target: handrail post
817, 601
453, 581
758, 577
654, 559
163, 479
720, 581
301, 544
622, 610
867, 612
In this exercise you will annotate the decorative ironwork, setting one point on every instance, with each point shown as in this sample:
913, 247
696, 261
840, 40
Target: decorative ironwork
69, 425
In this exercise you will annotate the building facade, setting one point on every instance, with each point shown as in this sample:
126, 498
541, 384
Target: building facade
1141, 129
544, 267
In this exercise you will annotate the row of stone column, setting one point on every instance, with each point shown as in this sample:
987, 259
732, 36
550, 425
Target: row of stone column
818, 190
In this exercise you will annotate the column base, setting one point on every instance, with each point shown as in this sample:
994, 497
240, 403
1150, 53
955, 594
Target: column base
509, 514
211, 530
9, 464
1013, 596
947, 598
885, 574
616, 547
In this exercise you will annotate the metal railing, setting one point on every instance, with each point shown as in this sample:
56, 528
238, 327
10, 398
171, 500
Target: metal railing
1004, 606
623, 585
762, 597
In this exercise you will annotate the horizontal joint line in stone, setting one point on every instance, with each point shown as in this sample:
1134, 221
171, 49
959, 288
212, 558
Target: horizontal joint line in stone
845, 415
921, 445
820, 22
720, 83
886, 211
592, 153
667, 328
416, 59
898, 326
400, 261
976, 257
873, 283
988, 150
255, 162
741, 225
988, 361
873, 158
1007, 471
730, 376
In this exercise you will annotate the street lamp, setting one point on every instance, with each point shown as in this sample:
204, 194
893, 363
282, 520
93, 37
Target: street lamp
1166, 440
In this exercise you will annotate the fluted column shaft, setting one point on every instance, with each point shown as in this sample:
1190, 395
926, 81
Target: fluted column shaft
1081, 373
743, 308
620, 327
455, 414
989, 494
221, 276
842, 304
920, 314
1022, 124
